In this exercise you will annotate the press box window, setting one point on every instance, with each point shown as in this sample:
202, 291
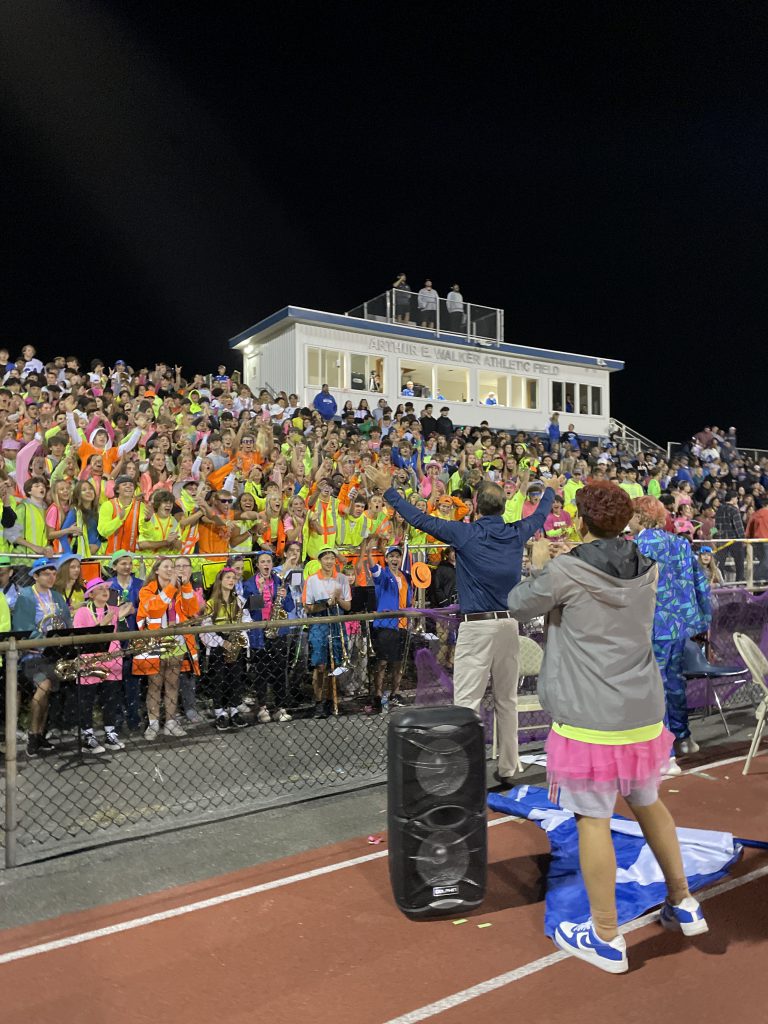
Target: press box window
366, 373
493, 384
420, 375
452, 385
525, 393
324, 367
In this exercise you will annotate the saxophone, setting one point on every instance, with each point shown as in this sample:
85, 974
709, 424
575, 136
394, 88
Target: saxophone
239, 641
279, 614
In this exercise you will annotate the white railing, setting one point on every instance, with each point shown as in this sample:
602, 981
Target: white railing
446, 317
633, 440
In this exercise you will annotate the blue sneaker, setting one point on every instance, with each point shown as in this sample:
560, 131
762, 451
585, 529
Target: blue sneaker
685, 917
582, 940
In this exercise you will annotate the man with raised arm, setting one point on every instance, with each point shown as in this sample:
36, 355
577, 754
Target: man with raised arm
489, 556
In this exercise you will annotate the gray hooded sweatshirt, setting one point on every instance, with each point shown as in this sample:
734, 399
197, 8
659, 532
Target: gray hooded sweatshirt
599, 671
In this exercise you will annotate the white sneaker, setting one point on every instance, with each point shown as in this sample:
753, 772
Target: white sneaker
152, 731
90, 745
263, 716
672, 770
685, 917
582, 941
281, 715
172, 728
112, 741
686, 746
243, 709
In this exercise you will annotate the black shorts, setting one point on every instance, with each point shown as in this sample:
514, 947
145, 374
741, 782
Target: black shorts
389, 644
36, 668
427, 316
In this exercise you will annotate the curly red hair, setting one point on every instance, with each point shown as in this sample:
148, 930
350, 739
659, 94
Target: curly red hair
605, 508
650, 512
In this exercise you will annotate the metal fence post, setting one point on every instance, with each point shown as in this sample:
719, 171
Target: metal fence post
11, 723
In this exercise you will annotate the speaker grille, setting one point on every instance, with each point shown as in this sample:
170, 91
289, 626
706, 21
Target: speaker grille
441, 767
442, 858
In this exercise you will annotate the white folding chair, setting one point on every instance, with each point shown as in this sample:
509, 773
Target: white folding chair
530, 658
757, 664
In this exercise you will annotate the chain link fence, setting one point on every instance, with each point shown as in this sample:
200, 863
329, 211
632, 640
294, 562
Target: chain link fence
258, 727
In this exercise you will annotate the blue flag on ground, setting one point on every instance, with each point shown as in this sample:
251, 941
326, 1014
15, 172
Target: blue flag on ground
639, 883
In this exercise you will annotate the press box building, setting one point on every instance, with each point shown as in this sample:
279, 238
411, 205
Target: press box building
461, 363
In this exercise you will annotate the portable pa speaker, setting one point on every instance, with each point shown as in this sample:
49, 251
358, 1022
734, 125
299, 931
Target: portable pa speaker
438, 832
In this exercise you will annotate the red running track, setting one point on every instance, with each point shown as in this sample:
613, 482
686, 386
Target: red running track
333, 948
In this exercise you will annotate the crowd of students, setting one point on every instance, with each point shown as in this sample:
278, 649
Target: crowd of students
119, 486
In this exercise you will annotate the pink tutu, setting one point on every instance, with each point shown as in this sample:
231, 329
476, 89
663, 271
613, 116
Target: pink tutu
601, 768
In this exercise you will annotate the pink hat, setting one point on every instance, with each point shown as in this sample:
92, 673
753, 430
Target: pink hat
97, 581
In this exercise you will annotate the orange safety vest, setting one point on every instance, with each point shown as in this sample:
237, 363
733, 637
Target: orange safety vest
125, 538
154, 605
266, 537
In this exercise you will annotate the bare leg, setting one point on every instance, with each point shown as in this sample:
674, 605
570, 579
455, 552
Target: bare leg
378, 682
397, 675
319, 683
39, 707
659, 830
598, 868
153, 697
171, 678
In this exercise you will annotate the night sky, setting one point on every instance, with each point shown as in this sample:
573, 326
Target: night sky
597, 169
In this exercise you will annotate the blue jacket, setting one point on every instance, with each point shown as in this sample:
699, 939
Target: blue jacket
410, 463
132, 595
325, 405
683, 602
250, 589
388, 595
489, 552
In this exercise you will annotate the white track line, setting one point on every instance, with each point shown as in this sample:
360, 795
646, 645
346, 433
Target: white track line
467, 994
190, 908
239, 894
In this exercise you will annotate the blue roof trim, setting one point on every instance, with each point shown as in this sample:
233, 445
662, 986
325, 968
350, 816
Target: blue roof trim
297, 313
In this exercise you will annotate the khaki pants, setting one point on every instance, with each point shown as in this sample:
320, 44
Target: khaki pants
487, 649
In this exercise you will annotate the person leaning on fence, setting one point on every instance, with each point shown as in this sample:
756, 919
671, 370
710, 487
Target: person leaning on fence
188, 677
393, 592
325, 593
601, 685
96, 612
444, 594
227, 664
265, 592
489, 556
37, 607
126, 589
165, 601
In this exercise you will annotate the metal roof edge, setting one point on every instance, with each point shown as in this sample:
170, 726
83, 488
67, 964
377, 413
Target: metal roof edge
302, 313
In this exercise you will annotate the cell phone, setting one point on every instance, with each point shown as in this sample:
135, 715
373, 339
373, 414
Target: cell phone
113, 600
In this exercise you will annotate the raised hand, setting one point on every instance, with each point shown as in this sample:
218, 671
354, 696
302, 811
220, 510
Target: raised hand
377, 479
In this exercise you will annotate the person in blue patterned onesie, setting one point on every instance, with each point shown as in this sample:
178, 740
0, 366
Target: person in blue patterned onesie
683, 609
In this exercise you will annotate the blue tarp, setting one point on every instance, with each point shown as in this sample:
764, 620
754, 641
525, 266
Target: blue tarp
639, 883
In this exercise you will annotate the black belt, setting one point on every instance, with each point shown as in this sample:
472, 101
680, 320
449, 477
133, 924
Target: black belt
479, 616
